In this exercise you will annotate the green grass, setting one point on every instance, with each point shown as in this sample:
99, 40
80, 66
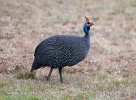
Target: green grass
94, 87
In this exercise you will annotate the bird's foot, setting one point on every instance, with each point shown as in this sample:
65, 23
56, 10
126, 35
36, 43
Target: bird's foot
47, 78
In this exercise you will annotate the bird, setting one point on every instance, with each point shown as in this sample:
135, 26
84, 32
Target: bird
60, 51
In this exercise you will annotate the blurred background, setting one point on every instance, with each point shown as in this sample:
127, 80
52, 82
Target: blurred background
25, 23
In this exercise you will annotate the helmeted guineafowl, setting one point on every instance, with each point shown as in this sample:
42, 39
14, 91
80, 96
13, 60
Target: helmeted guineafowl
62, 50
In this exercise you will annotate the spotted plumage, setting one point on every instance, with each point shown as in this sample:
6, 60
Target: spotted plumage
62, 50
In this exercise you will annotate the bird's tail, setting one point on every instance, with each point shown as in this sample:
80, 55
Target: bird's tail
34, 66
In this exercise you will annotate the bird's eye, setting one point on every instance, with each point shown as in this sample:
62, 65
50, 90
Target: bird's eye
88, 22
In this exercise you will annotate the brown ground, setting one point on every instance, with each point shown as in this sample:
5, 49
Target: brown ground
25, 23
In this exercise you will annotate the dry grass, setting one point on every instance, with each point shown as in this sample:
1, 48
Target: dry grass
108, 72
23, 74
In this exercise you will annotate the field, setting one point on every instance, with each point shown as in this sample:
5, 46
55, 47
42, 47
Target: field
107, 73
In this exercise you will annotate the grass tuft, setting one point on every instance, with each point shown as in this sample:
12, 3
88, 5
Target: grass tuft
23, 74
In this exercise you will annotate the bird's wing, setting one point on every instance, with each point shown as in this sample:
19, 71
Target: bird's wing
49, 45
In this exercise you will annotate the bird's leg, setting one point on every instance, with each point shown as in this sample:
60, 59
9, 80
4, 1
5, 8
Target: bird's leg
48, 77
60, 72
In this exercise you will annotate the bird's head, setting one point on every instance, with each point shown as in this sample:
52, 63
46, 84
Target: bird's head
87, 25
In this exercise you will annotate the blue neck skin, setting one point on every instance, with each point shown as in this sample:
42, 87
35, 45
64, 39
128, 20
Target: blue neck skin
86, 30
